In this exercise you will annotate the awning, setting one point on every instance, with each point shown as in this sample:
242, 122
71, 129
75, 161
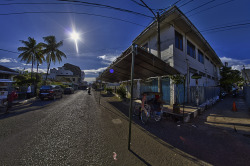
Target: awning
145, 65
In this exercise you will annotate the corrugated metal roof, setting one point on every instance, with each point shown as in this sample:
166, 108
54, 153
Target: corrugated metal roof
146, 65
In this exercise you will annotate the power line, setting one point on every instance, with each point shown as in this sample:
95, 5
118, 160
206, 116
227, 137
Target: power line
8, 51
107, 6
80, 3
185, 3
227, 26
200, 6
211, 7
138, 3
73, 13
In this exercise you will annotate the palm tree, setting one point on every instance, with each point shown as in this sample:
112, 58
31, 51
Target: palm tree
28, 51
52, 51
39, 56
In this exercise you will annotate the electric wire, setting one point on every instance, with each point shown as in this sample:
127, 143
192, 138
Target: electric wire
211, 8
8, 51
73, 13
200, 6
184, 4
107, 6
83, 3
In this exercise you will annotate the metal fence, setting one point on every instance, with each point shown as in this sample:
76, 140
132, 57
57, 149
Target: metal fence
246, 91
204, 93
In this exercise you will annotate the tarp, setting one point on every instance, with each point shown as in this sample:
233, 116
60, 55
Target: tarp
145, 65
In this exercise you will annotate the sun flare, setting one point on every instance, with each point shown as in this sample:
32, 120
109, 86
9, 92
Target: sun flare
75, 36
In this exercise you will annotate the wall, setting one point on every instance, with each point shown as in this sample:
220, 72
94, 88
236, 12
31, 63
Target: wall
183, 62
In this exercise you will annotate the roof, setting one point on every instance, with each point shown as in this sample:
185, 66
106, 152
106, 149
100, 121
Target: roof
145, 65
176, 18
7, 70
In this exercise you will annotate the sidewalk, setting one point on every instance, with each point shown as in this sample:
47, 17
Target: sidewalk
221, 115
22, 101
196, 141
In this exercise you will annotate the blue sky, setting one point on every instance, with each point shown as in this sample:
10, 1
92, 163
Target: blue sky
103, 39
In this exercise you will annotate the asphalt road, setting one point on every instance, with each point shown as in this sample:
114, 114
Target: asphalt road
76, 130
62, 132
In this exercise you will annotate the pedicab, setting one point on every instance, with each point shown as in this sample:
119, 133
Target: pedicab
149, 107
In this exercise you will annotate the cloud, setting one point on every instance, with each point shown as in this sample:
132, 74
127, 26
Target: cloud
236, 64
40, 70
90, 79
26, 64
8, 60
107, 59
94, 71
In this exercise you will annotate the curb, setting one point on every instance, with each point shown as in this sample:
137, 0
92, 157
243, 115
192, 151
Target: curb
26, 101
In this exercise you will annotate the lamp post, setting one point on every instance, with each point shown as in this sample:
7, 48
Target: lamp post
196, 76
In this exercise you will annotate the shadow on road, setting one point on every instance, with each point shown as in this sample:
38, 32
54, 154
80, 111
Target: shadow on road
197, 144
19, 109
145, 162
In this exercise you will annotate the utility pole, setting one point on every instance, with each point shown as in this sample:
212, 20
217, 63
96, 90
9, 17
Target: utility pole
157, 17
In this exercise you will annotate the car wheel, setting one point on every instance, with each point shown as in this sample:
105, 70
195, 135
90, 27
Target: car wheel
54, 97
61, 95
42, 99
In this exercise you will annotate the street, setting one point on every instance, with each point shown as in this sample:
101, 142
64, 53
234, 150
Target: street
60, 132
76, 130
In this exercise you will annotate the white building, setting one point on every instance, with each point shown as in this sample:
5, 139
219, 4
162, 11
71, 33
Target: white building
182, 47
62, 72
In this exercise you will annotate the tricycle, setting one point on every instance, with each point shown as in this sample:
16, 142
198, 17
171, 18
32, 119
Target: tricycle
149, 107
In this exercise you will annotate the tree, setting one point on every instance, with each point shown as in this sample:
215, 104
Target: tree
52, 51
29, 52
229, 77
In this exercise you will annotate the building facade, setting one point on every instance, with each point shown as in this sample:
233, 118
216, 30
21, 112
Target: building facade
184, 48
67, 73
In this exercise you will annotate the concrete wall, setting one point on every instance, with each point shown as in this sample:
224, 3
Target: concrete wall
183, 62
180, 60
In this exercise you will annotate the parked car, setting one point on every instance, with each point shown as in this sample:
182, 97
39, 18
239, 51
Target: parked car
69, 90
50, 92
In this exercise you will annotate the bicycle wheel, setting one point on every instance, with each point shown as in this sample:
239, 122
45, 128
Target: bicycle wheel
157, 116
137, 109
145, 113
144, 117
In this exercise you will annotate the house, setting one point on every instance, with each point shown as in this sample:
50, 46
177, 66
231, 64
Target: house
67, 73
184, 48
7, 73
6, 78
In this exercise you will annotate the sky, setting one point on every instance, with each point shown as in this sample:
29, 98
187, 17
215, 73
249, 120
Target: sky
106, 32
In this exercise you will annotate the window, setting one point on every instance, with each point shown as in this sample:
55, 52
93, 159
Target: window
191, 49
73, 79
208, 76
200, 57
178, 40
145, 46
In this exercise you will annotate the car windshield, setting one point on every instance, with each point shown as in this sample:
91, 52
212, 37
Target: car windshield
45, 87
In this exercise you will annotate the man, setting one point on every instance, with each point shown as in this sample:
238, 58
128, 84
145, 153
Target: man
28, 91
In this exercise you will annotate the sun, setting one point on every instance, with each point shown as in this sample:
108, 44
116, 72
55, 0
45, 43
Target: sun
75, 36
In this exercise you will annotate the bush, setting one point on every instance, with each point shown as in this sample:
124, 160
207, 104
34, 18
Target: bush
121, 91
109, 90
